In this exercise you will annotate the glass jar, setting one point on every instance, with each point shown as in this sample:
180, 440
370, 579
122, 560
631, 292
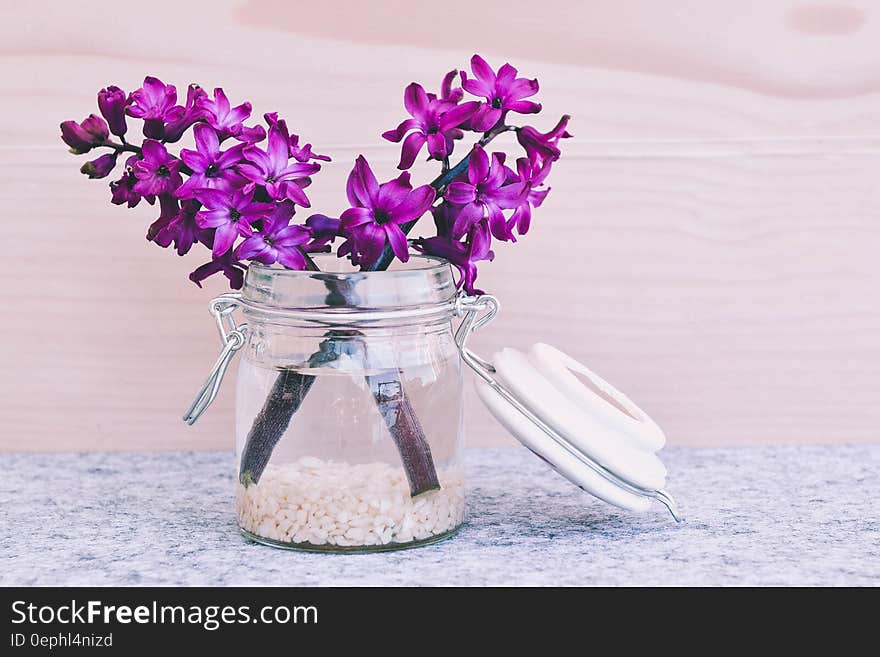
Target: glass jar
349, 407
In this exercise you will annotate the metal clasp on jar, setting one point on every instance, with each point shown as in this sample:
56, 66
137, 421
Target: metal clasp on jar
233, 338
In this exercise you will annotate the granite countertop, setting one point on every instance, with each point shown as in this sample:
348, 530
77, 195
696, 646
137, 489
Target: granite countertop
755, 516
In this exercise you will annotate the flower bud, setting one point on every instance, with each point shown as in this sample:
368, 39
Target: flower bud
74, 136
82, 137
111, 102
97, 129
99, 167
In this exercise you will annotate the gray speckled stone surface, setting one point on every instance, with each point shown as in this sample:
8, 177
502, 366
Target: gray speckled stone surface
774, 516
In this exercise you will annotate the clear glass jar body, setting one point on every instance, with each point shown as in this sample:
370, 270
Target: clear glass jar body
348, 407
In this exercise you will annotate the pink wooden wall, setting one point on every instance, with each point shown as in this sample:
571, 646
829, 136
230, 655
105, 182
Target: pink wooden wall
711, 243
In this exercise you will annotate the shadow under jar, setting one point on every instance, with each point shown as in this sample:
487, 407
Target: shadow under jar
349, 407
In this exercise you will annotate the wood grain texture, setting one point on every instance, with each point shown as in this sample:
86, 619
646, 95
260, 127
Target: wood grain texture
710, 244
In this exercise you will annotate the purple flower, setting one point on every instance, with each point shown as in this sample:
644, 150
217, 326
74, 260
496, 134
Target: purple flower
503, 92
231, 268
224, 118
377, 212
324, 231
111, 102
434, 121
82, 137
486, 193
534, 178
462, 255
168, 210
158, 172
180, 118
99, 167
231, 214
178, 226
304, 153
277, 240
273, 169
123, 190
299, 153
543, 147
211, 168
153, 103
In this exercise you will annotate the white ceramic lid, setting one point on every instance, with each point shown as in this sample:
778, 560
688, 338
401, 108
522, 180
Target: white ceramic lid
586, 429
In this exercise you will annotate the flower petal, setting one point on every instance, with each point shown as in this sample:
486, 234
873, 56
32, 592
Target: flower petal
250, 248
410, 150
482, 70
478, 166
414, 206
362, 186
224, 237
484, 118
277, 149
194, 160
206, 140
469, 215
292, 258
415, 100
292, 236
212, 198
524, 107
394, 192
458, 115
437, 145
354, 217
506, 76
498, 224
296, 194
397, 134
475, 86
522, 88
397, 240
460, 192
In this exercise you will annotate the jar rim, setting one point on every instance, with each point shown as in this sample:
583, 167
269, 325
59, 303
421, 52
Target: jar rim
416, 262
421, 287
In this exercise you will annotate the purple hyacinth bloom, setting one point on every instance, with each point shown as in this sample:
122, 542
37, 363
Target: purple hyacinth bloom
485, 193
100, 167
377, 212
434, 122
111, 102
224, 118
462, 255
123, 190
543, 147
158, 172
534, 178
273, 169
179, 227
181, 118
277, 240
211, 167
231, 214
168, 210
82, 137
299, 153
304, 153
231, 268
324, 231
503, 92
153, 103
